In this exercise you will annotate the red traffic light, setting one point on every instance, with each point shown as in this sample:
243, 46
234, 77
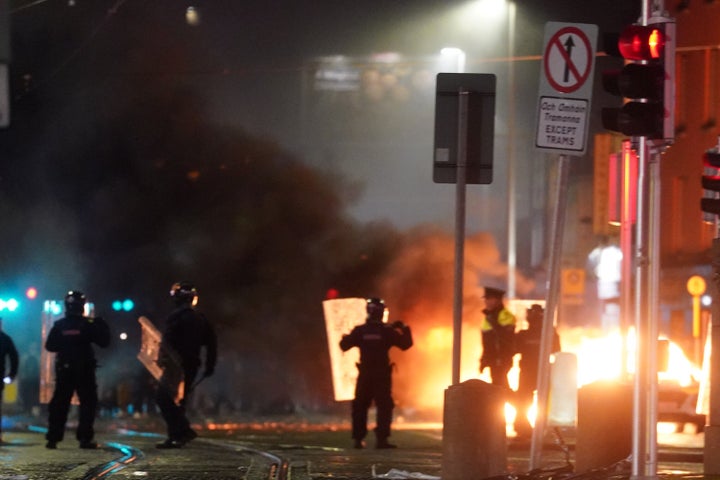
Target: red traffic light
638, 42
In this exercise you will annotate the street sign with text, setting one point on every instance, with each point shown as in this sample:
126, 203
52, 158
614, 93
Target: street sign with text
565, 93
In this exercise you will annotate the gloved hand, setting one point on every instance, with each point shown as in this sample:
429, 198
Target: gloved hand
398, 324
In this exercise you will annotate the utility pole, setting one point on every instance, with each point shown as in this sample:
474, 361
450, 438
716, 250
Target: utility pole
712, 206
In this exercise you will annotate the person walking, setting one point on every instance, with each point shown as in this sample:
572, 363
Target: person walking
71, 339
374, 339
528, 346
9, 370
498, 334
187, 331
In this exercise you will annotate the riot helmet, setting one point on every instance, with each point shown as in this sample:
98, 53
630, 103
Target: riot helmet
184, 293
535, 314
375, 308
75, 302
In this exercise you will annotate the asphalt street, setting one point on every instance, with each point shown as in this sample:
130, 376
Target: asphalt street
256, 448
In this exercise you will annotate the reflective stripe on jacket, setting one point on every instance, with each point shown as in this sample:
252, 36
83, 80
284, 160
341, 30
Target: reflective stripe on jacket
505, 318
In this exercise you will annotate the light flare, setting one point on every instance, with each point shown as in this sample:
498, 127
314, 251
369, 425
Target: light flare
600, 357
423, 373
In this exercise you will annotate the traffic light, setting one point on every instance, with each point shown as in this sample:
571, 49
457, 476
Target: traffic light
124, 305
51, 307
9, 304
711, 183
647, 81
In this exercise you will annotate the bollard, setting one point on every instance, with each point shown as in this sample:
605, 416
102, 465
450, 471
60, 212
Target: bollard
563, 398
711, 450
604, 430
474, 441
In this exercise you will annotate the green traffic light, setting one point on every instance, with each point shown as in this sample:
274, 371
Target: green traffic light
123, 305
10, 304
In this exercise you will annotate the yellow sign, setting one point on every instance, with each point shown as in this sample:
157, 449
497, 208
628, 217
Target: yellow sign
573, 281
696, 285
10, 393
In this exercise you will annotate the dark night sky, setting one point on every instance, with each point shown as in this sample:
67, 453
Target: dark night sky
75, 62
245, 59
73, 58
107, 93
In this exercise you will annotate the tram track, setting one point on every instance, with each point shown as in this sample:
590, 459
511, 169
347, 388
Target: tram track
128, 456
278, 468
203, 459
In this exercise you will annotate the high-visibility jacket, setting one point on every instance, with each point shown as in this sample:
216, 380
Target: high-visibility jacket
498, 337
504, 318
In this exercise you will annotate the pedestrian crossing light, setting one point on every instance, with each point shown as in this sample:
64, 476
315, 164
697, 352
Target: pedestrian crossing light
123, 305
647, 81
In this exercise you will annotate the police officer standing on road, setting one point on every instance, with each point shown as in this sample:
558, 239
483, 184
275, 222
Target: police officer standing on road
498, 334
528, 346
186, 332
9, 352
71, 338
374, 339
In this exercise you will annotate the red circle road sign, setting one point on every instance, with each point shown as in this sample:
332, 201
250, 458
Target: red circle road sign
567, 65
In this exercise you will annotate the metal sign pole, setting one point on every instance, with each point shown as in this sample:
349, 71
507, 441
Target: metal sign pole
543, 382
653, 311
460, 187
640, 397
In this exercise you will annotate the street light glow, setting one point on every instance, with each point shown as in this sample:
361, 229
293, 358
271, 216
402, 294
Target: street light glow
452, 60
485, 13
192, 17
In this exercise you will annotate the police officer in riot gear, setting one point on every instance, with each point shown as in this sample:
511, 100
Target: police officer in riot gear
71, 338
8, 372
187, 331
528, 346
374, 339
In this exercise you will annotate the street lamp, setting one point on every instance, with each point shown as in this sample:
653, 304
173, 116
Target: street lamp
512, 207
452, 60
491, 14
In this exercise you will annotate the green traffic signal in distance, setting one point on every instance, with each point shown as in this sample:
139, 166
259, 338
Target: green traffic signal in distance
9, 305
123, 305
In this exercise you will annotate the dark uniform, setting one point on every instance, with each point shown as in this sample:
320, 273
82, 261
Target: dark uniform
498, 335
9, 352
528, 346
186, 332
71, 338
374, 339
